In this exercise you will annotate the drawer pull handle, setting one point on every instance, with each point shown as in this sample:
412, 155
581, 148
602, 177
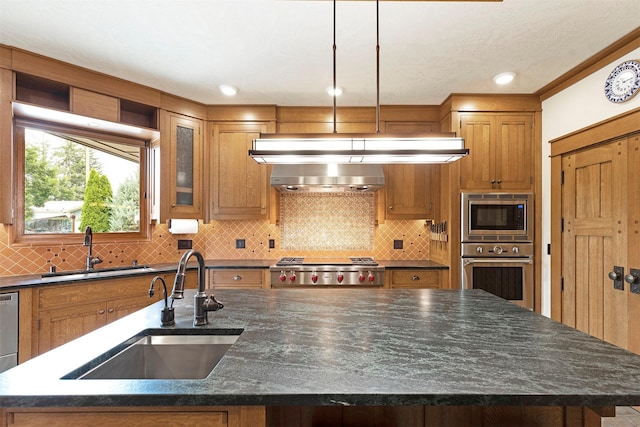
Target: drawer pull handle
415, 277
237, 277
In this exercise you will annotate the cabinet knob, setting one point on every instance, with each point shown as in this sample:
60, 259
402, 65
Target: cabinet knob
390, 207
111, 310
101, 311
415, 277
631, 279
614, 275
237, 277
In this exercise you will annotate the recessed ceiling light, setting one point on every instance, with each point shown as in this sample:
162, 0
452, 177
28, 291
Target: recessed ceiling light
504, 78
228, 90
334, 92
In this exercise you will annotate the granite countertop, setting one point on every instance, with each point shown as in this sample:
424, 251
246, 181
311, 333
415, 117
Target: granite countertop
348, 347
104, 273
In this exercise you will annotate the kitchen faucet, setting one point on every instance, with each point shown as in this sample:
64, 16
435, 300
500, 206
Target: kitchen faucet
88, 241
203, 303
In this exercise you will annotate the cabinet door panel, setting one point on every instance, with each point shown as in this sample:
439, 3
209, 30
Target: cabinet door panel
412, 191
59, 326
241, 186
514, 152
476, 170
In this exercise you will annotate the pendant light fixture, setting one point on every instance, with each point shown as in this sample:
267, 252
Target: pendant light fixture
342, 148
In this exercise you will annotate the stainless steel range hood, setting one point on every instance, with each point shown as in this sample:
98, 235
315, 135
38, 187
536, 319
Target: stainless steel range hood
327, 178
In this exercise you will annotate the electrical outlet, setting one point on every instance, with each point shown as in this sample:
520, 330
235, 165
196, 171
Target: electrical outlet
397, 244
272, 243
240, 244
185, 244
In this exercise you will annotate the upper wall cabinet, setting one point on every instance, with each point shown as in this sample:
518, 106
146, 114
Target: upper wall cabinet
181, 170
411, 191
239, 185
501, 153
60, 96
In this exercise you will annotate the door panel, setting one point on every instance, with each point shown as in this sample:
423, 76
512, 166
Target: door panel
594, 211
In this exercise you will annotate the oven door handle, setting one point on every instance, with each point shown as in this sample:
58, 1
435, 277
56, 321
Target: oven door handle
467, 261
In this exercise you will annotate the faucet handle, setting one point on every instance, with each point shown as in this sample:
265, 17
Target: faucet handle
211, 304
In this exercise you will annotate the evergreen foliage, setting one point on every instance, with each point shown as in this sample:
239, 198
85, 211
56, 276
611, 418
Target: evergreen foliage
124, 209
97, 200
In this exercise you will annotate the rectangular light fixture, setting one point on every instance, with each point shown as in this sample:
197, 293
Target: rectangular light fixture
357, 148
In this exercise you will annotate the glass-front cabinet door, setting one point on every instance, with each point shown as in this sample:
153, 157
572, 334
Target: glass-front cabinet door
183, 180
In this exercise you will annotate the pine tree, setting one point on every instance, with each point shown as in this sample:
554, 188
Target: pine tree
125, 212
97, 199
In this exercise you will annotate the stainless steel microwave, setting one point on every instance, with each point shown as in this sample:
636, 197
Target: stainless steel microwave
496, 217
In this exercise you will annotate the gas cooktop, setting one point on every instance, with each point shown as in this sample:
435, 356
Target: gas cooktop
287, 261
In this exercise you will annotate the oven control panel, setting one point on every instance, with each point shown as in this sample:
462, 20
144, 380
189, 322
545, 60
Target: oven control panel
497, 250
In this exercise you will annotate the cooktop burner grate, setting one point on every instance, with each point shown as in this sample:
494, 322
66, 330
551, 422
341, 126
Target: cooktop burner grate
289, 261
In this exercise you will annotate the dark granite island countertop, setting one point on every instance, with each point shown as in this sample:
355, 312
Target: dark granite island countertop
349, 347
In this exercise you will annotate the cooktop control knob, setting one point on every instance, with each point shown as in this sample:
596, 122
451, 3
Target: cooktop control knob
371, 277
361, 277
292, 277
497, 250
479, 249
515, 250
283, 277
340, 277
314, 277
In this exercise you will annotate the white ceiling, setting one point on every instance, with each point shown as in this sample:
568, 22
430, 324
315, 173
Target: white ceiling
280, 52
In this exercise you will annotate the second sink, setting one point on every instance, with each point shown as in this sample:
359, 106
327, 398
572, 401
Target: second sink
165, 357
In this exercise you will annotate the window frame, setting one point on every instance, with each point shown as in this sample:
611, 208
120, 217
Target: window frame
17, 234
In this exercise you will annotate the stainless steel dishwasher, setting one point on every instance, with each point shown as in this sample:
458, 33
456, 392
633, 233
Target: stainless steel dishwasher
8, 330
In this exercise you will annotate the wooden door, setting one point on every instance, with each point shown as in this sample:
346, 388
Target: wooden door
477, 169
594, 196
514, 152
241, 185
633, 254
412, 191
59, 326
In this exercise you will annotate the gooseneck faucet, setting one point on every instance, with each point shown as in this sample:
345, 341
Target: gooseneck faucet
203, 303
88, 241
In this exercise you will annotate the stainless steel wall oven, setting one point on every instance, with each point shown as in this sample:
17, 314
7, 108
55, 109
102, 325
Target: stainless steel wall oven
497, 245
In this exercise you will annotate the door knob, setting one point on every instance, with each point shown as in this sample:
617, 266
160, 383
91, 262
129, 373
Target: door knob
633, 279
617, 275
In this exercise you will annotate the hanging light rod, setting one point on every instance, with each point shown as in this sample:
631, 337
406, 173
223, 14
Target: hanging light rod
378, 148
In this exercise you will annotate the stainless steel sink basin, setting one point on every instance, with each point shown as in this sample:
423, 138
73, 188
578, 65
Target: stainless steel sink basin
165, 357
125, 269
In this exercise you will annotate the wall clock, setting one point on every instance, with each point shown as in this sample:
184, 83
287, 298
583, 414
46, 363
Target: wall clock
623, 82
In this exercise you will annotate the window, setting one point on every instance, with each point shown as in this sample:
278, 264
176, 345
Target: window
69, 179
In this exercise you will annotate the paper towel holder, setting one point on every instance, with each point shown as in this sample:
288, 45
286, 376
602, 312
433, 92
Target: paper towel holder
183, 226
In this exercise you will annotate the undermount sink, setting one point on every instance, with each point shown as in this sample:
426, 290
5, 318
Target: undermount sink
128, 269
164, 357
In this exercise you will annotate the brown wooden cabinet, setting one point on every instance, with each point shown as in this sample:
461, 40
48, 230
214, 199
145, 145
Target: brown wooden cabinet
412, 191
240, 186
501, 155
414, 279
238, 279
65, 312
238, 416
182, 153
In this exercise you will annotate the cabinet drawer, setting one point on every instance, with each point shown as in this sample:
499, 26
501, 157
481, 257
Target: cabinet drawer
236, 278
415, 279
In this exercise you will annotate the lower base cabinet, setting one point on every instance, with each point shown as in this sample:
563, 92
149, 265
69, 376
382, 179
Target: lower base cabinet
305, 416
237, 279
414, 279
62, 313
233, 416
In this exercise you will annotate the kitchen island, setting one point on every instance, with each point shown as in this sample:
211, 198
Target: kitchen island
382, 357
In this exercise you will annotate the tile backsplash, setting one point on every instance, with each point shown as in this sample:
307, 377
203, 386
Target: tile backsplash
347, 228
327, 222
